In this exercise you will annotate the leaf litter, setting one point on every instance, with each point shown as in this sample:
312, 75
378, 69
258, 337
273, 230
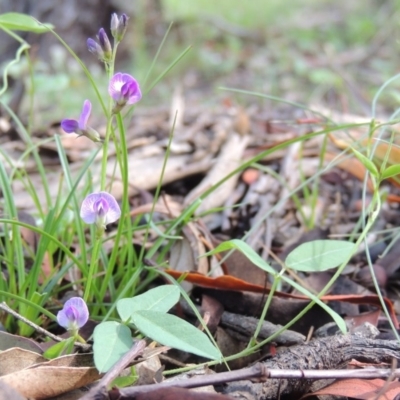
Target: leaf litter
254, 197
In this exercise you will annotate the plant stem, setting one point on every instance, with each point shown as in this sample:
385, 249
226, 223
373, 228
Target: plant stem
94, 262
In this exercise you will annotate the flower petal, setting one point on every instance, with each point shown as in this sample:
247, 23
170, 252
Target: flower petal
114, 211
101, 207
62, 319
70, 125
85, 114
88, 213
115, 85
134, 93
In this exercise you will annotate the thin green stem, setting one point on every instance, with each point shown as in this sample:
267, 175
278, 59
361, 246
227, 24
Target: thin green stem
94, 263
109, 115
265, 309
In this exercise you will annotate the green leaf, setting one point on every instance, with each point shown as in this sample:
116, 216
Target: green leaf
111, 341
246, 250
319, 255
22, 22
257, 260
335, 316
123, 381
371, 167
172, 331
161, 298
393, 170
64, 347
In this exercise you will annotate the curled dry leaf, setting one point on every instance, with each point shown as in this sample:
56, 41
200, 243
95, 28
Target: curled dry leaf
8, 341
44, 382
35, 377
16, 359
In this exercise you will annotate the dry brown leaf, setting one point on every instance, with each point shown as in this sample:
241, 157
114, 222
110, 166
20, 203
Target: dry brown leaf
8, 341
186, 254
147, 370
8, 393
33, 376
230, 157
43, 382
360, 389
16, 359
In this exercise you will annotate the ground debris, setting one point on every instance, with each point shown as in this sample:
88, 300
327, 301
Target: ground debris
321, 354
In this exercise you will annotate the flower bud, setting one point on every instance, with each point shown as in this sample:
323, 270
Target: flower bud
105, 45
114, 24
118, 26
95, 48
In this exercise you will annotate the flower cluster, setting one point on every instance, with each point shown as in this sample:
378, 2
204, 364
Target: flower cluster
102, 208
123, 88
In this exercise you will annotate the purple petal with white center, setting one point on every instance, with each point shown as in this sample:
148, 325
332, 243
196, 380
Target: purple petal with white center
70, 125
74, 314
85, 114
100, 205
123, 88
115, 85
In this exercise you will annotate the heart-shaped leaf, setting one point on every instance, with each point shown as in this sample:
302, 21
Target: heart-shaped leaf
111, 341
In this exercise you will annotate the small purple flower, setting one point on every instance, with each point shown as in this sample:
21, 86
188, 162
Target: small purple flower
100, 208
124, 89
74, 314
80, 126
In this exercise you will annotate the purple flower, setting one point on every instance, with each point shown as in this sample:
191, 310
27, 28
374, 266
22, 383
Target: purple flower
124, 89
100, 208
74, 314
80, 126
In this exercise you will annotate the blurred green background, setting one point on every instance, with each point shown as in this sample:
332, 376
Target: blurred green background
335, 53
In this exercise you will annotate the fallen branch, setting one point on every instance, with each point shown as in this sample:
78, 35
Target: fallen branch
294, 370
